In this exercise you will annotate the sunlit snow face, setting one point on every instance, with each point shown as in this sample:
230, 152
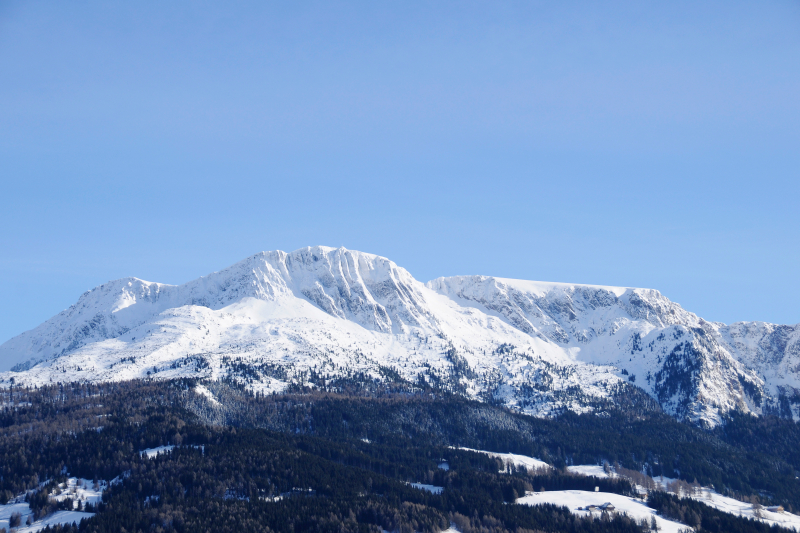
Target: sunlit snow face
332, 313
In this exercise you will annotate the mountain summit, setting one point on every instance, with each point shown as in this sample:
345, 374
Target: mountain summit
321, 315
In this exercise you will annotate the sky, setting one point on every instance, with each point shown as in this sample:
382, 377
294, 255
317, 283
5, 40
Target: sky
644, 144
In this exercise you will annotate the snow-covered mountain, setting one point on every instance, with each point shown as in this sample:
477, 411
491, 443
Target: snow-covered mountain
318, 315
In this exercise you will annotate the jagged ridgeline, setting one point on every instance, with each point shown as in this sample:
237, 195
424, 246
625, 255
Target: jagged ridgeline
327, 318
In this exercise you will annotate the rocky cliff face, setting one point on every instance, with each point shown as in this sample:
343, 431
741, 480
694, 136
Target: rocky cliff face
319, 315
678, 358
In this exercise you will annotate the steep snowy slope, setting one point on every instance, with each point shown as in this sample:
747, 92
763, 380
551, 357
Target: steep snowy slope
366, 289
773, 351
318, 315
678, 358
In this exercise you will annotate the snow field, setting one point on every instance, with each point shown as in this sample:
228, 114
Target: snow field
57, 518
82, 490
203, 391
704, 495
155, 452
589, 470
78, 489
744, 509
573, 499
10, 508
513, 459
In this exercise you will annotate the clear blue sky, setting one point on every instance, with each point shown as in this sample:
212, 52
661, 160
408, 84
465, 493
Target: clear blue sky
652, 144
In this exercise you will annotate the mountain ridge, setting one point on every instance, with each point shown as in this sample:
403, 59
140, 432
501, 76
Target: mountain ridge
320, 313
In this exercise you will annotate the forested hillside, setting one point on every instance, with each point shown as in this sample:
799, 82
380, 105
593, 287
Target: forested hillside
311, 461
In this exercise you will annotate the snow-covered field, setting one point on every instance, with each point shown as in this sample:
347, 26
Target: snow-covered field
573, 499
7, 510
154, 452
589, 470
532, 463
513, 459
569, 498
735, 507
81, 491
59, 517
636, 508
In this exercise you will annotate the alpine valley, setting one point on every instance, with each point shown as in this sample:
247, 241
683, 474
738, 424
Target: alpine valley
321, 318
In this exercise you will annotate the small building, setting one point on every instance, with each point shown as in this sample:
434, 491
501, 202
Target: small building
775, 509
608, 506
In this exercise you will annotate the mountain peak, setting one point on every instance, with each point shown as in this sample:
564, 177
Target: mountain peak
276, 318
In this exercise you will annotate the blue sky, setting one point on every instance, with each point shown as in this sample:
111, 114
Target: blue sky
649, 144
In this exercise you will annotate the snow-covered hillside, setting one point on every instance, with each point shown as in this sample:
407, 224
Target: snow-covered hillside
320, 314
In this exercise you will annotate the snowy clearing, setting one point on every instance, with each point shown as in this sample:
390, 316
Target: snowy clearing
430, 488
203, 391
81, 491
7, 510
735, 507
153, 452
590, 470
573, 499
530, 463
704, 495
57, 518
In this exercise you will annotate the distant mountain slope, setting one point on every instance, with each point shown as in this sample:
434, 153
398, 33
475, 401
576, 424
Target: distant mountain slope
318, 315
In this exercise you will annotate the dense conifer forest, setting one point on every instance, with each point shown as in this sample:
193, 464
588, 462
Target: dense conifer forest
342, 461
